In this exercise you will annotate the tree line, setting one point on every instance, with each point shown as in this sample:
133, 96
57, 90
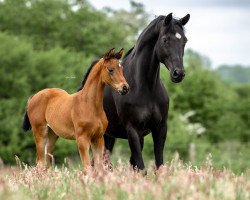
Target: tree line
46, 44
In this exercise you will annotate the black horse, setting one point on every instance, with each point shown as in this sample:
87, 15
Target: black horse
145, 108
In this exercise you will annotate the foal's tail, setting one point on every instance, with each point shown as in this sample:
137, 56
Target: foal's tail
26, 122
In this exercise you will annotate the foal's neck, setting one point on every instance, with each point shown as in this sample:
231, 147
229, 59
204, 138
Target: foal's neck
92, 92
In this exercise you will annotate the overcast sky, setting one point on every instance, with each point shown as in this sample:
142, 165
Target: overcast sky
218, 29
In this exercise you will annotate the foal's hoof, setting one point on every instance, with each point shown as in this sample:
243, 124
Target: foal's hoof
107, 160
108, 166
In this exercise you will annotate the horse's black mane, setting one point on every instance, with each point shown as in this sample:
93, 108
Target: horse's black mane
170, 28
129, 51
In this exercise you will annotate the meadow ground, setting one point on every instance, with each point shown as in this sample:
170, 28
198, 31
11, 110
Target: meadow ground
175, 180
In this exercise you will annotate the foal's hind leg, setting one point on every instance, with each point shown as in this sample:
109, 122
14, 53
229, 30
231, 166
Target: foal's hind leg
40, 136
51, 141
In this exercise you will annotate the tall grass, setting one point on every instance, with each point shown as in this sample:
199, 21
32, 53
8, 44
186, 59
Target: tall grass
175, 180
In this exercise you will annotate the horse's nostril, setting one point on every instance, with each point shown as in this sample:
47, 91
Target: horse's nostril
175, 73
124, 87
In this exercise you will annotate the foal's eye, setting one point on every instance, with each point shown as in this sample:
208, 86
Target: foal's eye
110, 69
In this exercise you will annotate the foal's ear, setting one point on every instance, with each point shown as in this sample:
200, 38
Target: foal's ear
119, 54
185, 19
109, 54
168, 19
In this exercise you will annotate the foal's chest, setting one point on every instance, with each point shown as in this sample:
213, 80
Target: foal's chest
99, 125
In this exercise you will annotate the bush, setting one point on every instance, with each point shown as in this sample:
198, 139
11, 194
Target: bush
25, 71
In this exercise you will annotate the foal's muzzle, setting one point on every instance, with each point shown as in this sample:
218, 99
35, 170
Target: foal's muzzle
124, 90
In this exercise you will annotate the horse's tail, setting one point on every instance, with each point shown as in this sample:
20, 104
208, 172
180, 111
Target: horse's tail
26, 122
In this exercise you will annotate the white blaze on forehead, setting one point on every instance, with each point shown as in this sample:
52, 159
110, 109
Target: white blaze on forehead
178, 35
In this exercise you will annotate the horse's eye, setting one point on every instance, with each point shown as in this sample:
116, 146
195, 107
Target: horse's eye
166, 39
110, 69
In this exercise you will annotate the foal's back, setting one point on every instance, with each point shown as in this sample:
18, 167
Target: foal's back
52, 107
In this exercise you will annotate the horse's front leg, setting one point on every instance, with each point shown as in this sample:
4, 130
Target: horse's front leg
159, 134
135, 147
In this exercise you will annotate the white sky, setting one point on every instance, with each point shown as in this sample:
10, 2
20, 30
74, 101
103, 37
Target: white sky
218, 29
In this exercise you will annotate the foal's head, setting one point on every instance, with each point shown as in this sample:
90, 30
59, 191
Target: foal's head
170, 45
112, 71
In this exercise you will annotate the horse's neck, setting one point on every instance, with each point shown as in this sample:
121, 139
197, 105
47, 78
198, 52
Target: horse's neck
147, 69
146, 65
93, 90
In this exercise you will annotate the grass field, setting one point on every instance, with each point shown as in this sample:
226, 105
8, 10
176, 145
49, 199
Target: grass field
175, 180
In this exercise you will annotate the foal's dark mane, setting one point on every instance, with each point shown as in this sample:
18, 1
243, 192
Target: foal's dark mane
110, 56
87, 74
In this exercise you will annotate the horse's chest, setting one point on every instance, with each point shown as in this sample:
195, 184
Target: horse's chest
146, 115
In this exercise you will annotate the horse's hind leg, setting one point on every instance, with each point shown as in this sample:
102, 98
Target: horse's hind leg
40, 136
51, 141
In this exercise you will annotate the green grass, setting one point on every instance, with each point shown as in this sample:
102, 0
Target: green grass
176, 180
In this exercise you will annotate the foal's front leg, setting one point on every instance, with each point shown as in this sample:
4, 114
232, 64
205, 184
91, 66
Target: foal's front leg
98, 150
83, 143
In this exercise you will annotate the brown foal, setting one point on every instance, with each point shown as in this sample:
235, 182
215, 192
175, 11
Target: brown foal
53, 112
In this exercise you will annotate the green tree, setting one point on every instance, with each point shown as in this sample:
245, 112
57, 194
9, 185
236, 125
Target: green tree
25, 71
71, 24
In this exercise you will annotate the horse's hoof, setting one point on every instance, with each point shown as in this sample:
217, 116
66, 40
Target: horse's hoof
144, 172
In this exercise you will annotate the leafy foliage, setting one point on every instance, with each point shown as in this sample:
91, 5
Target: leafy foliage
51, 43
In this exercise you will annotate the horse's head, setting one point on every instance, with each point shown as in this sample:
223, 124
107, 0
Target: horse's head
170, 46
112, 71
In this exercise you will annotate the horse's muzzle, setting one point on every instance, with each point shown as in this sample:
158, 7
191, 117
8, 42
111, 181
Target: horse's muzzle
177, 75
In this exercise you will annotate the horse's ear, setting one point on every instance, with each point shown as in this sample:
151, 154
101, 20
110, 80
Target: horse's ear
185, 19
120, 53
109, 54
168, 19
